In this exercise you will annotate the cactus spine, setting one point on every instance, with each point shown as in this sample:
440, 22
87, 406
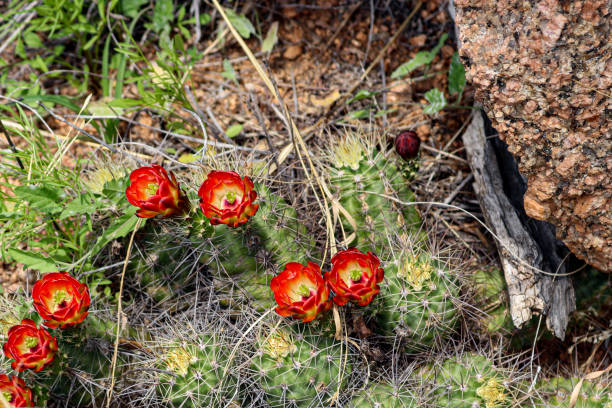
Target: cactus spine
381, 395
193, 373
556, 393
299, 370
472, 381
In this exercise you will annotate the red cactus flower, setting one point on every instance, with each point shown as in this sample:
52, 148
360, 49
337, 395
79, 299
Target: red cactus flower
156, 193
354, 276
225, 198
61, 300
30, 346
15, 392
407, 145
300, 291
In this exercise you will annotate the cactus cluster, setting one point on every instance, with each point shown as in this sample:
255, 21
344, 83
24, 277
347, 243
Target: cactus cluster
225, 348
80, 372
300, 369
418, 292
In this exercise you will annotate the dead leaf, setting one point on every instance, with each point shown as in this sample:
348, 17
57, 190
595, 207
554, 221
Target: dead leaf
327, 100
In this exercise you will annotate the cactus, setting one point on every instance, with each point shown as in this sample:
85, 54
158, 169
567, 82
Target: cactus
491, 297
160, 266
363, 179
556, 393
193, 373
416, 301
416, 294
80, 373
382, 395
472, 380
299, 370
244, 260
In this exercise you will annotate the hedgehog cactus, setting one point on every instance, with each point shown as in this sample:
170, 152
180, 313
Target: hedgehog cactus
556, 393
365, 182
472, 381
80, 373
193, 373
491, 297
244, 260
299, 370
416, 301
416, 294
382, 395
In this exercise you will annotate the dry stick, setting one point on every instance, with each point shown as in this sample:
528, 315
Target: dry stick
11, 144
109, 394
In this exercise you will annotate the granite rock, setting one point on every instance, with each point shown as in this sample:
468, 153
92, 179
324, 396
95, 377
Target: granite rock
542, 69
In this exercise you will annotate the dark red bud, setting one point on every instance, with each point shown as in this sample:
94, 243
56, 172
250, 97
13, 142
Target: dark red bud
407, 145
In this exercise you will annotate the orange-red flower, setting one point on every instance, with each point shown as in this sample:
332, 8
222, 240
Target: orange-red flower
30, 346
300, 291
354, 276
225, 198
61, 300
15, 392
156, 193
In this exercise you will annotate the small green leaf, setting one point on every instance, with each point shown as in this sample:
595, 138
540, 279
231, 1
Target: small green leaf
124, 103
188, 158
130, 8
204, 18
163, 14
384, 111
46, 199
32, 40
240, 23
228, 71
33, 260
436, 100
456, 75
119, 228
79, 205
360, 114
233, 131
421, 58
362, 94
271, 38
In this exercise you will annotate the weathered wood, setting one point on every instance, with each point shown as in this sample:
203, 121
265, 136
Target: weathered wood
526, 246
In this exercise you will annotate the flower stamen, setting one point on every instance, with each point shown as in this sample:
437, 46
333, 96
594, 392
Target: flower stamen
355, 275
151, 189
